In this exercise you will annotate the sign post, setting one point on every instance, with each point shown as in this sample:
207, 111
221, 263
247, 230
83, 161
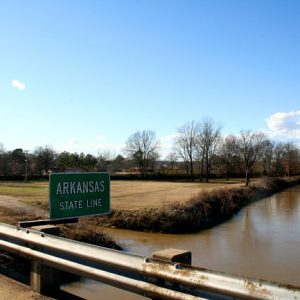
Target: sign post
79, 194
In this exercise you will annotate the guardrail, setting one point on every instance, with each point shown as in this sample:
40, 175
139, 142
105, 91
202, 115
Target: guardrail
152, 277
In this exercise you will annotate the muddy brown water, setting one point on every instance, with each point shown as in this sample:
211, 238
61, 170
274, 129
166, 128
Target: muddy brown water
262, 241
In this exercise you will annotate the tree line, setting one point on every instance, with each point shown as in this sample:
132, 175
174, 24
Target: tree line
200, 152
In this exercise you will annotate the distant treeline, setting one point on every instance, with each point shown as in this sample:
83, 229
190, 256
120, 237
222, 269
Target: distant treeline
155, 176
199, 153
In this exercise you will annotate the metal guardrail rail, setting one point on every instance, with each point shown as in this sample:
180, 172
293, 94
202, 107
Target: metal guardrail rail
149, 277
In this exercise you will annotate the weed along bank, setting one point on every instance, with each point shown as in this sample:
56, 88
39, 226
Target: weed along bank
79, 194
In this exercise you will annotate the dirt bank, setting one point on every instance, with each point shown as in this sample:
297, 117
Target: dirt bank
204, 210
10, 289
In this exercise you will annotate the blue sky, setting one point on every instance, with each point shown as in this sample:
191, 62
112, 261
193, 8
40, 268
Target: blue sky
85, 75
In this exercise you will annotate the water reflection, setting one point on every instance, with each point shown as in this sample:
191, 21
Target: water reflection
262, 241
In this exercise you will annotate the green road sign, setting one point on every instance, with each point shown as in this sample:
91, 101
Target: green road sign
79, 194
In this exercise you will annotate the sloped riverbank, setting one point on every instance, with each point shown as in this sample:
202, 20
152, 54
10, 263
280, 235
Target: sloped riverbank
205, 210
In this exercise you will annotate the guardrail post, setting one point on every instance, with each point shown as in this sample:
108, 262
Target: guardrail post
174, 255
44, 279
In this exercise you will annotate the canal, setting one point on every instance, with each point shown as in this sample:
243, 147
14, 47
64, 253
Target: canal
262, 241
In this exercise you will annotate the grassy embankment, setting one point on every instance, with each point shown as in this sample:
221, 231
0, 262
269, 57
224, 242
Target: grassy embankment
204, 210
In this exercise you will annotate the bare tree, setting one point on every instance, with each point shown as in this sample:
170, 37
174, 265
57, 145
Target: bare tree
104, 160
143, 148
278, 159
208, 138
185, 145
3, 160
267, 156
291, 159
249, 149
227, 153
172, 159
118, 163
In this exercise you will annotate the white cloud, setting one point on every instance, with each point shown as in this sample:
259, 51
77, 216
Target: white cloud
284, 126
17, 84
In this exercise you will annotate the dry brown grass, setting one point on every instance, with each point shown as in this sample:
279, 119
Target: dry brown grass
12, 216
125, 194
132, 195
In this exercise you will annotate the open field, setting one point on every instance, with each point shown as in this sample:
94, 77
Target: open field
127, 195
130, 195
